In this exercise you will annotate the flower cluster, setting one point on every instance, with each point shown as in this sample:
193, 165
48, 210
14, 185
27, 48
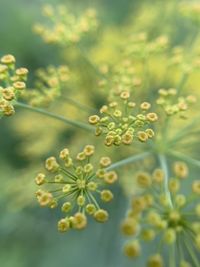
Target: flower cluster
49, 84
140, 47
12, 84
121, 125
191, 11
122, 77
166, 215
172, 103
76, 186
64, 28
125, 75
180, 59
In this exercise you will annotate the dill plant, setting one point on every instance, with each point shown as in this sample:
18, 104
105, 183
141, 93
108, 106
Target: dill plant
148, 127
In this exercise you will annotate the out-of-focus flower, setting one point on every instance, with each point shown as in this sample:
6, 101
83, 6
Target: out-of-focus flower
64, 28
166, 215
172, 103
49, 85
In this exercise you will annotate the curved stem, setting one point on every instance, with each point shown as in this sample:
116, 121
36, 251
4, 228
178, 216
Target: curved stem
128, 160
163, 163
55, 116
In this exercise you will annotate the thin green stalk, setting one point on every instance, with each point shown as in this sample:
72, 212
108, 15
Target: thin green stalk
182, 82
191, 252
57, 183
69, 174
180, 248
94, 200
78, 124
146, 71
87, 60
163, 163
79, 105
128, 160
186, 158
159, 246
184, 131
172, 256
56, 190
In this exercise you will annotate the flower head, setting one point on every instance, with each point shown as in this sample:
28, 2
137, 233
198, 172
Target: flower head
120, 79
64, 28
140, 47
49, 84
121, 124
172, 104
12, 84
76, 186
164, 214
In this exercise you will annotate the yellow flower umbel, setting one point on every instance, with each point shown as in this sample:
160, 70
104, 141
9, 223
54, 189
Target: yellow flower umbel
122, 123
164, 216
64, 28
49, 84
141, 48
120, 77
12, 84
76, 186
174, 104
185, 65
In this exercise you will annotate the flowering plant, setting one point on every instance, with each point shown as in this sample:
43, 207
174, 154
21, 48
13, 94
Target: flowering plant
135, 113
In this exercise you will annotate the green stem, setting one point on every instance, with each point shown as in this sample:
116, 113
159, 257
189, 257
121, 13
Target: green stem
185, 131
172, 256
186, 158
57, 117
180, 248
93, 199
163, 163
79, 105
57, 183
89, 63
146, 72
69, 174
128, 160
181, 84
191, 252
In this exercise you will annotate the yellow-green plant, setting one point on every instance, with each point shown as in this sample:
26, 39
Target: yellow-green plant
136, 107
77, 183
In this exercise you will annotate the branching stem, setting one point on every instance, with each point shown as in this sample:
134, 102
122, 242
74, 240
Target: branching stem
163, 163
128, 160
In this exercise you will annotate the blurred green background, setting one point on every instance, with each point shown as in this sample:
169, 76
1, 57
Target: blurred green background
28, 234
